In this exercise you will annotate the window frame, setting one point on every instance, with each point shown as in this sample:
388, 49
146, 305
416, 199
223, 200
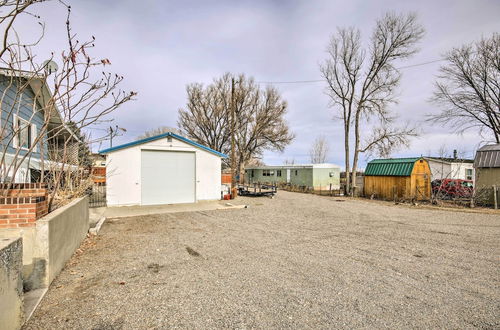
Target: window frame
29, 126
468, 173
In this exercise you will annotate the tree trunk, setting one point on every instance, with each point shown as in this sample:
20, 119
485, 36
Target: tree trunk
239, 169
356, 152
347, 162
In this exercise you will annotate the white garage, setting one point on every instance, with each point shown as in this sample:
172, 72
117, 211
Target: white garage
164, 169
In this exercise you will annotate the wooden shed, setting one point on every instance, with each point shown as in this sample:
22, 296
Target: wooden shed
398, 178
487, 165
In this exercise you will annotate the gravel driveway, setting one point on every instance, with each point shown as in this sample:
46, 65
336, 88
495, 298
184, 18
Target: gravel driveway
295, 261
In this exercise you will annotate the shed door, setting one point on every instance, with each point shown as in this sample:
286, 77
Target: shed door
167, 177
288, 176
421, 186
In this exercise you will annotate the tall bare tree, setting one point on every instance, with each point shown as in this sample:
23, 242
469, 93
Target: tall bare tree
62, 103
319, 150
361, 84
206, 116
468, 88
158, 131
259, 117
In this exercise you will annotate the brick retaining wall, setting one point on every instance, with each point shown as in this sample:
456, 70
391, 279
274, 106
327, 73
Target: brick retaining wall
21, 204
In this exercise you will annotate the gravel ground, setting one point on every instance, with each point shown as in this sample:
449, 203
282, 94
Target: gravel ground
295, 261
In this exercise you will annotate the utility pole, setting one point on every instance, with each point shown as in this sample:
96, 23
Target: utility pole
114, 132
233, 143
111, 131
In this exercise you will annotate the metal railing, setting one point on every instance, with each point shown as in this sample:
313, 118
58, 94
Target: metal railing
97, 195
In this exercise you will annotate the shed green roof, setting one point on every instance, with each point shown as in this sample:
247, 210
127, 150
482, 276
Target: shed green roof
391, 167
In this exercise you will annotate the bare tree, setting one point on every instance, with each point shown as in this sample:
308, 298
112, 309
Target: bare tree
255, 162
158, 131
259, 118
48, 112
319, 150
289, 161
206, 117
362, 82
468, 88
385, 139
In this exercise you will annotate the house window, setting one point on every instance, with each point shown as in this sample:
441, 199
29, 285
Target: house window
296, 172
468, 173
23, 137
267, 173
278, 173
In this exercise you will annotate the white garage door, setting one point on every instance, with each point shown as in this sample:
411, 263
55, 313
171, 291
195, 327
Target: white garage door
167, 177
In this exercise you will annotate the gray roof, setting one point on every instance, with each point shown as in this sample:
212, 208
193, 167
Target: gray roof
488, 156
450, 160
292, 166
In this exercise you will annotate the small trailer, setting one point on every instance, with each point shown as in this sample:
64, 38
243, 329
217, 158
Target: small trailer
257, 189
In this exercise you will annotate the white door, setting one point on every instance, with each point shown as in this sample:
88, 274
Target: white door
167, 177
288, 176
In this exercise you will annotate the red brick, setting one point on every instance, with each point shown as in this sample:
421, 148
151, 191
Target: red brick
31, 224
26, 206
18, 221
8, 216
18, 211
8, 226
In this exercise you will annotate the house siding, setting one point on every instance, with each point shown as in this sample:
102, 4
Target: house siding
446, 170
317, 178
24, 104
323, 180
302, 178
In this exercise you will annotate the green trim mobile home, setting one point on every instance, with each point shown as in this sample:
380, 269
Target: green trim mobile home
317, 176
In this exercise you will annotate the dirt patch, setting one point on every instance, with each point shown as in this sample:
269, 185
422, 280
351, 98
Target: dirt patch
192, 252
154, 267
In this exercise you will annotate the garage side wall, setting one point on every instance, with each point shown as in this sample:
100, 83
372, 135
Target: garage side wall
123, 173
208, 176
123, 177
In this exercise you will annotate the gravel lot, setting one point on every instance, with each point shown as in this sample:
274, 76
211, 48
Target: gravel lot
295, 261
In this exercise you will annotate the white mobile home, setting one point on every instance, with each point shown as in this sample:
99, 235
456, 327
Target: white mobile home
164, 169
451, 168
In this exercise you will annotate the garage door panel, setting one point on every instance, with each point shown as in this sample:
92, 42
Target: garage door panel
167, 177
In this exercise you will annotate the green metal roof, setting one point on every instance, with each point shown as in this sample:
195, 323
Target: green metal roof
391, 167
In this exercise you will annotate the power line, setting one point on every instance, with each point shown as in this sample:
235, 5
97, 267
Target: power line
322, 80
420, 64
290, 82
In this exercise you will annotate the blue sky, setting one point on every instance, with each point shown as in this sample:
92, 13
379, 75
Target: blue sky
161, 46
